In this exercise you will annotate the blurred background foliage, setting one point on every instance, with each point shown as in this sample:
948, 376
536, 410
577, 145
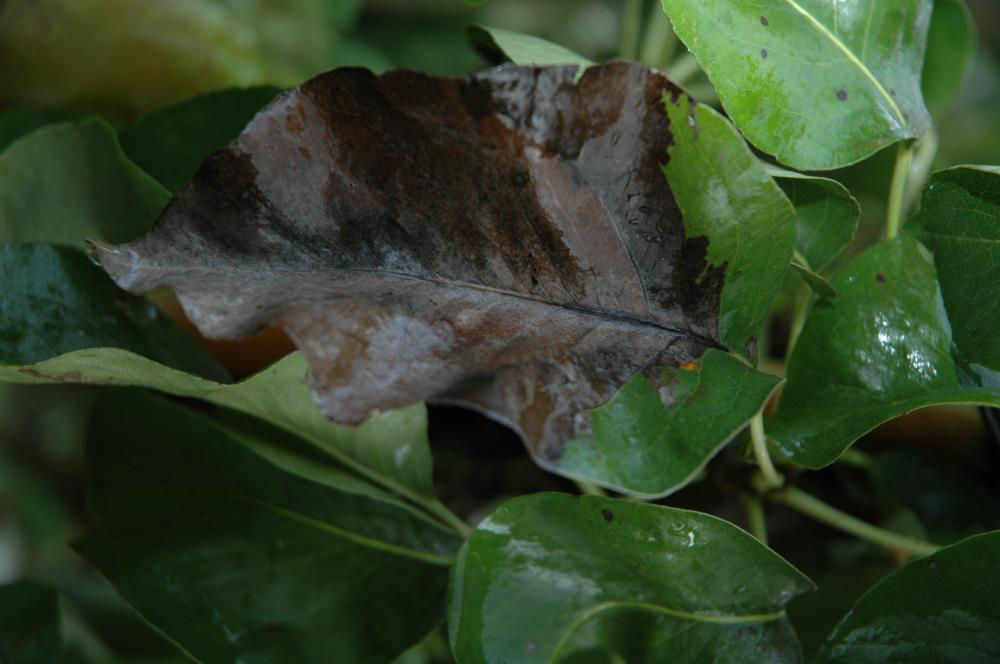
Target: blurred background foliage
121, 59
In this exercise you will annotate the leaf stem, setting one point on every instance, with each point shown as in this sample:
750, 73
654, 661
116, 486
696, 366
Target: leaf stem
438, 509
858, 459
755, 516
799, 314
817, 509
659, 41
631, 24
589, 488
923, 160
772, 477
894, 216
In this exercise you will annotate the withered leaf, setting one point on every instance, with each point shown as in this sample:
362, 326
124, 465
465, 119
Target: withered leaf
505, 241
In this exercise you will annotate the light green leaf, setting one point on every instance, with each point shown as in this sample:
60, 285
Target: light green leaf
951, 44
235, 559
71, 182
645, 446
817, 84
826, 215
727, 197
938, 610
171, 143
549, 576
525, 49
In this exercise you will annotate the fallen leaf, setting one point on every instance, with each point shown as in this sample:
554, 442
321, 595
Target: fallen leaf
505, 241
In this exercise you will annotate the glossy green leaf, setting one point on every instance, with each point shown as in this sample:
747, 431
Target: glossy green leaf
30, 631
959, 222
64, 321
549, 577
817, 84
646, 446
938, 610
883, 347
171, 143
235, 559
727, 197
56, 301
826, 215
71, 182
524, 49
951, 43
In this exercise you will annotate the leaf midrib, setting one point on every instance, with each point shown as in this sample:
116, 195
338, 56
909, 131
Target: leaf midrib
594, 312
836, 41
317, 524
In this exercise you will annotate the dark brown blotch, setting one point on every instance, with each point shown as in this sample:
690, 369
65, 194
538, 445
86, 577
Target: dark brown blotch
842, 95
880, 278
764, 21
608, 515
763, 53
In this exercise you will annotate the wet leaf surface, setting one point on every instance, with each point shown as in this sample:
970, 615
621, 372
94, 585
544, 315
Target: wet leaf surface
882, 347
233, 557
856, 67
505, 241
552, 576
941, 609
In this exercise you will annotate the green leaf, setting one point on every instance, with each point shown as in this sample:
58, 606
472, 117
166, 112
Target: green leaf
883, 347
646, 446
951, 44
549, 576
30, 631
63, 321
524, 49
18, 122
959, 221
727, 197
826, 215
56, 301
234, 558
72, 182
171, 143
816, 282
817, 84
938, 610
